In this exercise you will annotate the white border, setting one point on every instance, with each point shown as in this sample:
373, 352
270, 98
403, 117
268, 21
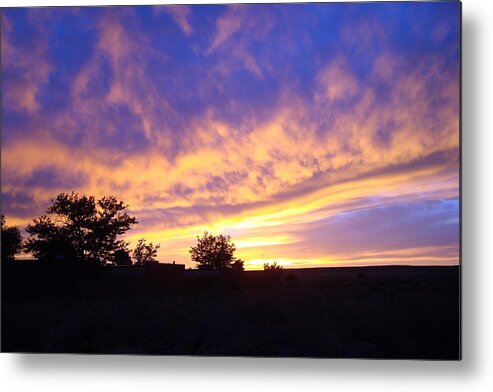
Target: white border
474, 373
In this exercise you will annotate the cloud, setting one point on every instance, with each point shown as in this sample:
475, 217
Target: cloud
337, 82
181, 15
227, 25
22, 76
239, 34
257, 122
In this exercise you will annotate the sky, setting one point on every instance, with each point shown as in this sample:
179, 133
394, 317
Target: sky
313, 134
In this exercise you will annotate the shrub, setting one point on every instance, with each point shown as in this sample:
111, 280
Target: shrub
272, 267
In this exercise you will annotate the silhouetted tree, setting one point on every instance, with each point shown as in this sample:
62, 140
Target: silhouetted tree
272, 267
215, 253
238, 264
11, 240
80, 227
145, 253
48, 240
122, 257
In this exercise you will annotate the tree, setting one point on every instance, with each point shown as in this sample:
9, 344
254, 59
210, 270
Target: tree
49, 241
122, 257
215, 253
145, 254
11, 240
80, 227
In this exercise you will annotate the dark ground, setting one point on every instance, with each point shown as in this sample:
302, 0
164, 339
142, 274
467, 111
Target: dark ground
372, 312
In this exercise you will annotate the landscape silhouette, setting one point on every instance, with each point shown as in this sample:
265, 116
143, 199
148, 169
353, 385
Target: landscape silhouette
86, 292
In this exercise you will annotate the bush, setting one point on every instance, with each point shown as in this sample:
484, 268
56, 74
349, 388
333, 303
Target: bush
272, 267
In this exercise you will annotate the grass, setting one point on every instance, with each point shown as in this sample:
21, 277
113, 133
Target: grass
357, 313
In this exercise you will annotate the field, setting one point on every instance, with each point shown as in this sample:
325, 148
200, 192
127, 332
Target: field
365, 312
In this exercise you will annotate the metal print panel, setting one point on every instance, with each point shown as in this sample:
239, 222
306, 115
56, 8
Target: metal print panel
232, 180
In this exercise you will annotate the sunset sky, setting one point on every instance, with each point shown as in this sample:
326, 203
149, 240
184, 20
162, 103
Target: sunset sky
313, 134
